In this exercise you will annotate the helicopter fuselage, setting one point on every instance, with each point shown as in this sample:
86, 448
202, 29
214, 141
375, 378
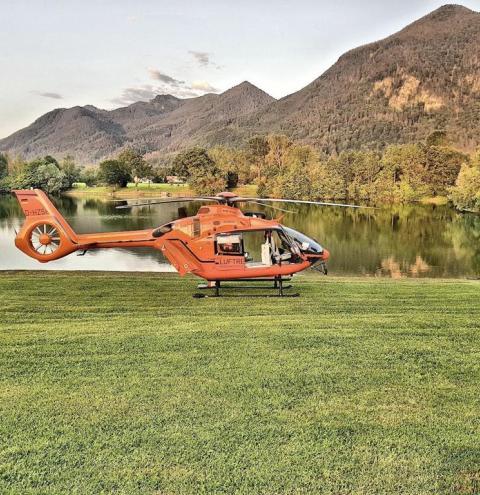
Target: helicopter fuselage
211, 244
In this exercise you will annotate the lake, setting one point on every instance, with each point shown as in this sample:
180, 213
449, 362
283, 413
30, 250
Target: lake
403, 241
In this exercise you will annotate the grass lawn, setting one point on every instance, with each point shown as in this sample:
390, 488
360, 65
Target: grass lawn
123, 383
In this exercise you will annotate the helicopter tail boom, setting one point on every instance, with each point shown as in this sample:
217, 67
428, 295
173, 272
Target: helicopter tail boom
47, 236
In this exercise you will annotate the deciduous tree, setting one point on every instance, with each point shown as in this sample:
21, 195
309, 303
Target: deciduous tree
3, 166
187, 162
88, 175
257, 149
71, 171
442, 167
114, 173
207, 181
134, 161
41, 173
204, 176
466, 192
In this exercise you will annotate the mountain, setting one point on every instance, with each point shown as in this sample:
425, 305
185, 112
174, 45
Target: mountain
202, 120
400, 89
165, 123
425, 77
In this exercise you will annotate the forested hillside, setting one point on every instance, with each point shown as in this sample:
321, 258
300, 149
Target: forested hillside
397, 90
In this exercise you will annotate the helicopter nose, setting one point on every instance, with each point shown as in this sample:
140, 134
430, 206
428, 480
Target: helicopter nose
323, 256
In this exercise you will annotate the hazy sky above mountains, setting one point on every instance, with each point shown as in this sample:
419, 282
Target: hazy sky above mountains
110, 53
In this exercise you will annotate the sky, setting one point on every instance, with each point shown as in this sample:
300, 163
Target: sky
110, 53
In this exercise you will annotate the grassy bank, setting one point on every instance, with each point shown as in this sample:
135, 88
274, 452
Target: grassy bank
434, 200
146, 190
123, 383
131, 190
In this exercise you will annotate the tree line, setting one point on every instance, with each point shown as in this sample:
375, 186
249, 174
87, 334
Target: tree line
44, 173
279, 167
55, 176
283, 168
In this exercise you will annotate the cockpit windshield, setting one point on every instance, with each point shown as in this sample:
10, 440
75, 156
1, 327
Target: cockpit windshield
305, 244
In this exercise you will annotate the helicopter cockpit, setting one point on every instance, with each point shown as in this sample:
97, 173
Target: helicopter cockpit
306, 244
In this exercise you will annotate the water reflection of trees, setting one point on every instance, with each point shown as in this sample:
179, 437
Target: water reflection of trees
463, 233
421, 240
67, 205
9, 207
101, 215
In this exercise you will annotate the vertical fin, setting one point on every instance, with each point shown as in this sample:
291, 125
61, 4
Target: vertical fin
36, 205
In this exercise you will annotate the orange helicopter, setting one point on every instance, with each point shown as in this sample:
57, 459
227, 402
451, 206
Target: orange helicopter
211, 244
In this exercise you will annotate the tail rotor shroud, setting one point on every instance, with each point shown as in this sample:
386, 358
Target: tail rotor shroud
45, 239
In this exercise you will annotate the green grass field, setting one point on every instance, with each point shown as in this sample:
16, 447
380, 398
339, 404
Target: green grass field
123, 383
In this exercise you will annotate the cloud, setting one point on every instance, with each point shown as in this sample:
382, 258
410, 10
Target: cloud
48, 94
164, 78
147, 92
165, 84
203, 58
140, 93
203, 86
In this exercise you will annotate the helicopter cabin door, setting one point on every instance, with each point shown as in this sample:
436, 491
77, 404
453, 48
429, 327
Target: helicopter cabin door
266, 248
259, 248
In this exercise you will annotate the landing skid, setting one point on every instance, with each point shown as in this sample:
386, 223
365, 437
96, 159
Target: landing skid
278, 285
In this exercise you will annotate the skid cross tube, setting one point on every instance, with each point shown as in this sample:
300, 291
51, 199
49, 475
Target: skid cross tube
278, 285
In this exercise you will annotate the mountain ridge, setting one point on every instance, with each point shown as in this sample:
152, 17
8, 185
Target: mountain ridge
389, 84
148, 125
399, 89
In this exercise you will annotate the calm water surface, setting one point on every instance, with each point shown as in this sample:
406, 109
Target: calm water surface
405, 241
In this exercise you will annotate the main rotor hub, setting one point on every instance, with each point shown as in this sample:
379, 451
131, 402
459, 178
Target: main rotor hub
226, 197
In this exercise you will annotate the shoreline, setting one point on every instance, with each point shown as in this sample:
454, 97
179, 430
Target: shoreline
310, 277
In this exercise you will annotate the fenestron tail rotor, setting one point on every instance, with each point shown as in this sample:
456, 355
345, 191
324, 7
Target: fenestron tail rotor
45, 239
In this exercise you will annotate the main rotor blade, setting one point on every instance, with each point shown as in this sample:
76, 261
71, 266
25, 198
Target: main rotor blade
162, 198
167, 200
299, 201
272, 207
